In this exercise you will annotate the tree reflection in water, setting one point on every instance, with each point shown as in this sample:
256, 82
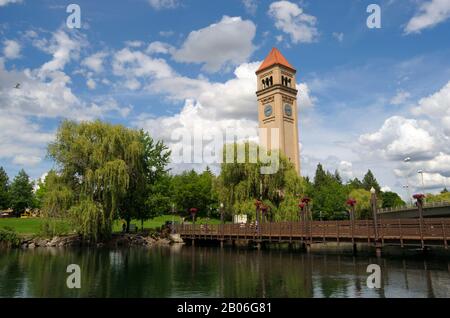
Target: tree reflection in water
183, 271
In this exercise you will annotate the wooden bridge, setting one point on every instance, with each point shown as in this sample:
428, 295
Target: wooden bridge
401, 232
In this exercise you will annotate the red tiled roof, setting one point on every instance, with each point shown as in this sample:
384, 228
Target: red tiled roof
274, 57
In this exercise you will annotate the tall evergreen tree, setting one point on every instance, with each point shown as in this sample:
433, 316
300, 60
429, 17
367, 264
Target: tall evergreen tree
369, 181
21, 193
354, 184
4, 189
320, 178
337, 176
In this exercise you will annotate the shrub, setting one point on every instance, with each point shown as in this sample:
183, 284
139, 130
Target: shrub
8, 237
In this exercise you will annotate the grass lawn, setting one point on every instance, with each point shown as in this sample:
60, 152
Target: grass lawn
23, 226
33, 225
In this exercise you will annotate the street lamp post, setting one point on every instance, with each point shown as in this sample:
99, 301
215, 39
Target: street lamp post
373, 195
421, 172
419, 202
407, 160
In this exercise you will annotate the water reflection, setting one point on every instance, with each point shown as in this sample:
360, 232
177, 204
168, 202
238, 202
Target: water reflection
212, 272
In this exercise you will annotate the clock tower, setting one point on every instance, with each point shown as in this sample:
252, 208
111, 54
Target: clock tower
277, 106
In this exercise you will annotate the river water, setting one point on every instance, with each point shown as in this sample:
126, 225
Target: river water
185, 271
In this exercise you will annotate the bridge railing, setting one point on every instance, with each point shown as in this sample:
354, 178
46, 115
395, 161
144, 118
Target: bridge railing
361, 229
414, 207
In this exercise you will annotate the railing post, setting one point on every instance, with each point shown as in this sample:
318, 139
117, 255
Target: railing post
444, 236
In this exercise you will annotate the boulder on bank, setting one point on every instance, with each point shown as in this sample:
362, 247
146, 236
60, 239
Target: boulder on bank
117, 240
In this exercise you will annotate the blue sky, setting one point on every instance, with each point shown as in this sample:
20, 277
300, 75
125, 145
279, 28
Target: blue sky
368, 98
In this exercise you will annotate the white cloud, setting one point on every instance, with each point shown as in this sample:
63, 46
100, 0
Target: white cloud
430, 14
166, 34
95, 61
44, 98
11, 49
194, 119
305, 99
346, 170
26, 160
6, 2
63, 47
134, 44
164, 4
436, 106
425, 141
400, 98
228, 42
399, 138
386, 189
292, 20
137, 64
251, 6
24, 148
91, 83
338, 36
158, 47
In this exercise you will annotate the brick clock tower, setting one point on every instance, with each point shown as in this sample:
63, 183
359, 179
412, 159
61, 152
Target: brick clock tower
277, 105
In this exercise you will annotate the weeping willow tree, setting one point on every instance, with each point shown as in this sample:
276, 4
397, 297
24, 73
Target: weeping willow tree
241, 182
58, 199
99, 164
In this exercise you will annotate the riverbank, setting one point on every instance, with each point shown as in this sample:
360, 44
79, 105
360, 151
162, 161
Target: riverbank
117, 240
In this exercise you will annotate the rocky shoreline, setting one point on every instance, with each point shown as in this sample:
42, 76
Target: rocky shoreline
117, 240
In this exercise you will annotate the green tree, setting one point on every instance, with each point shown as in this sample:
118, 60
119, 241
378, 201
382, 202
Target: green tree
40, 193
362, 208
391, 200
354, 184
21, 193
444, 190
137, 202
103, 166
193, 190
438, 197
369, 181
328, 194
240, 184
4, 190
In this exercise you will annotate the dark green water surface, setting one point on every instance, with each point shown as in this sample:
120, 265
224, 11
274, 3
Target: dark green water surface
184, 271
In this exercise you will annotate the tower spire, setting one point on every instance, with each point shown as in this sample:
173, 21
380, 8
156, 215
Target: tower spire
275, 58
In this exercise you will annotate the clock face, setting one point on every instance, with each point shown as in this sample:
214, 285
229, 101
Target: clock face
268, 111
288, 110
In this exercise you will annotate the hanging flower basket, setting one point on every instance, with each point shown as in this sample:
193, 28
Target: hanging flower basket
264, 208
301, 205
193, 211
351, 202
419, 196
306, 200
